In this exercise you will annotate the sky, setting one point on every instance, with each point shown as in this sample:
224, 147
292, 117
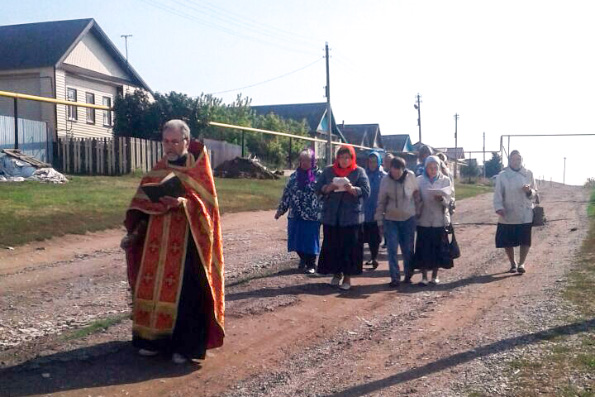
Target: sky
518, 67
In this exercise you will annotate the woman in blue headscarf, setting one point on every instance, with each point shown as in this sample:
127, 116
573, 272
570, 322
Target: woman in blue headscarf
436, 193
371, 232
300, 198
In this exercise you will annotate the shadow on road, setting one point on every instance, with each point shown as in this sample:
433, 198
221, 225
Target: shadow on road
460, 358
106, 364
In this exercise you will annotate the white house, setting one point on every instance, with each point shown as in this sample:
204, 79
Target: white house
70, 60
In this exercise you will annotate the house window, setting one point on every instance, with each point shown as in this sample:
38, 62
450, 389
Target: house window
107, 114
71, 110
90, 111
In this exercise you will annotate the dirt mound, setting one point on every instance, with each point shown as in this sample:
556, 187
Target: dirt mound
243, 168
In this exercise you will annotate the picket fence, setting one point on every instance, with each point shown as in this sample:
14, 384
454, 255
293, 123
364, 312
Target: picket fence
114, 156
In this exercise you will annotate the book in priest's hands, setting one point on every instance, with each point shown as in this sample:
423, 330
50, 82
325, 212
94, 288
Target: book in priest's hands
171, 186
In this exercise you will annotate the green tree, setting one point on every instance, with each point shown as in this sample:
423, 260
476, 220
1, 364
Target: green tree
494, 165
471, 170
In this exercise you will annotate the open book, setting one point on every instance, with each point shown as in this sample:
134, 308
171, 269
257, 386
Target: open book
171, 186
445, 191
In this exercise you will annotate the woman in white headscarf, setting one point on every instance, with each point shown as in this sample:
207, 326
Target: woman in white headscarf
513, 202
430, 254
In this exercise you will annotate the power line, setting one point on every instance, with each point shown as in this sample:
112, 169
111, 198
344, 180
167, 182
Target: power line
235, 18
204, 22
269, 80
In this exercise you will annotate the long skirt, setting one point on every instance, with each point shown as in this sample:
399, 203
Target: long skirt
431, 249
372, 237
342, 250
303, 236
195, 305
513, 235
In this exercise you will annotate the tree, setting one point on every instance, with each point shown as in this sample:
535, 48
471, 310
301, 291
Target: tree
137, 116
471, 170
494, 165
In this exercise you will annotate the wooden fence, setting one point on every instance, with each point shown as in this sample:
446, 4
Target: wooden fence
115, 156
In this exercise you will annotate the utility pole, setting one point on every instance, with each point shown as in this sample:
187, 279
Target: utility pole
484, 155
564, 176
329, 119
418, 107
456, 144
126, 36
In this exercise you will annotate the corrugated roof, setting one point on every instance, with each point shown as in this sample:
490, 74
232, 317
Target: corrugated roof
46, 44
311, 112
395, 143
362, 134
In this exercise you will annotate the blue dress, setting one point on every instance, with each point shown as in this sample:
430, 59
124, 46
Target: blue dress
303, 228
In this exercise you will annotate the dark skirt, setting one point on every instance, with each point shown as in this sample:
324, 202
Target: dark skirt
190, 333
303, 236
513, 235
431, 249
342, 250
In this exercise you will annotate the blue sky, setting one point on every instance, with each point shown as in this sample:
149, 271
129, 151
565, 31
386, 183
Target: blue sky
507, 67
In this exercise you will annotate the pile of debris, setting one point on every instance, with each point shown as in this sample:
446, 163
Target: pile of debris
16, 166
243, 168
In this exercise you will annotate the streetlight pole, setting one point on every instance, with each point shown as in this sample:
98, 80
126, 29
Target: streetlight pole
456, 144
329, 119
126, 36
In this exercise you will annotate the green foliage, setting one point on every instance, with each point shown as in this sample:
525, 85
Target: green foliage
471, 170
137, 116
494, 165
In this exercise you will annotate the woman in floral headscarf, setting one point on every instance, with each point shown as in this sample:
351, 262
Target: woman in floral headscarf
344, 187
303, 226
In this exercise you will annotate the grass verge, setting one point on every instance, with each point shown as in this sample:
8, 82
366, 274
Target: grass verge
96, 326
32, 211
464, 190
566, 364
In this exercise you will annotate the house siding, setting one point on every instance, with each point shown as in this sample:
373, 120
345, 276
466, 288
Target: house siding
80, 128
90, 54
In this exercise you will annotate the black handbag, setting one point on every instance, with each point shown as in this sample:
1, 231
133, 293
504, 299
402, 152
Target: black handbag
538, 213
453, 246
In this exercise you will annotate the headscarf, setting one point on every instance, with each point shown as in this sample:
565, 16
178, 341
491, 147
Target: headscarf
432, 159
510, 155
305, 178
343, 172
378, 159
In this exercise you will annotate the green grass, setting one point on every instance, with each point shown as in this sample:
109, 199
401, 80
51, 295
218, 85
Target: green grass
464, 190
96, 326
565, 358
32, 211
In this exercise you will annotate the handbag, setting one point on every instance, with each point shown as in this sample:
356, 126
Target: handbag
453, 246
538, 213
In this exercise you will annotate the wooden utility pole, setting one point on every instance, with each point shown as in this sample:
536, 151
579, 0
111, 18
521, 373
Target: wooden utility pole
456, 145
329, 119
418, 107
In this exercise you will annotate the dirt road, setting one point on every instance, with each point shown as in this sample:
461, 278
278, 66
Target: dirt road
289, 334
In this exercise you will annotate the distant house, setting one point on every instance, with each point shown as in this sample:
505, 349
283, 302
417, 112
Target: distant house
70, 60
451, 154
315, 116
363, 134
397, 143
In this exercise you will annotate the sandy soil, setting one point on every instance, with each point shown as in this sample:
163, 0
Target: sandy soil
287, 334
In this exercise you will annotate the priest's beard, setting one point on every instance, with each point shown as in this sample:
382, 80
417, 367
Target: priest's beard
175, 156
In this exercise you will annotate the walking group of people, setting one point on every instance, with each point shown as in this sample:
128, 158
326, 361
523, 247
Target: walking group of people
358, 205
410, 210
174, 246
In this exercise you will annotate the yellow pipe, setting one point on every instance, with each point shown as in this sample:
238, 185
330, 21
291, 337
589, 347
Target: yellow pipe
52, 100
239, 127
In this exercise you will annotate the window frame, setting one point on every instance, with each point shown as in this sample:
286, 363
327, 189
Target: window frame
71, 110
90, 112
107, 114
